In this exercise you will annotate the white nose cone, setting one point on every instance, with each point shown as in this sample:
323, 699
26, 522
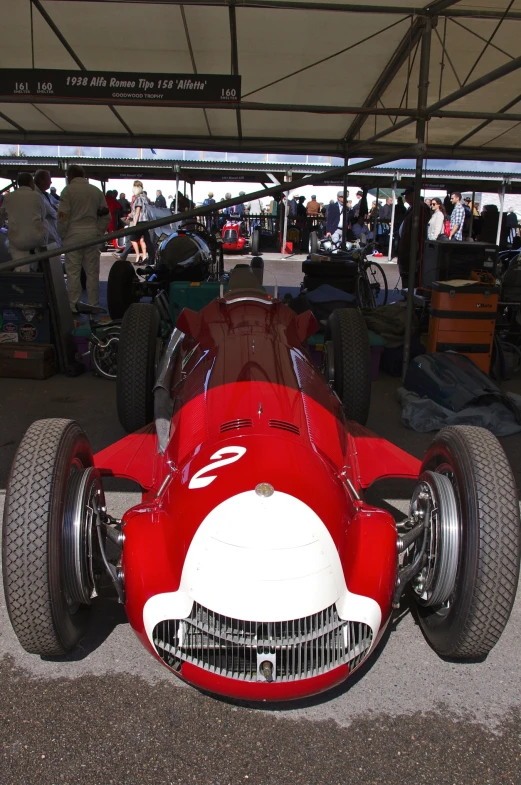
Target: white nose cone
267, 558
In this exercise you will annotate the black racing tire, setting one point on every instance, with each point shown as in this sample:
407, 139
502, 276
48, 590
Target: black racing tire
32, 547
347, 332
469, 625
255, 242
314, 243
137, 359
120, 288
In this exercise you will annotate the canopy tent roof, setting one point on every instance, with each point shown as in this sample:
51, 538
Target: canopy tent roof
107, 169
317, 77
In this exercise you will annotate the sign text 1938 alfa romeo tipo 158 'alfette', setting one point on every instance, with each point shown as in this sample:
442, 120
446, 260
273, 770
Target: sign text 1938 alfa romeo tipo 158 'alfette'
253, 566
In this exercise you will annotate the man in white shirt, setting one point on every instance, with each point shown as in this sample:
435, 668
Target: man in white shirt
42, 180
82, 215
26, 229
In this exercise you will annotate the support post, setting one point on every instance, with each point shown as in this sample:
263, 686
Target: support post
393, 213
177, 189
501, 211
344, 209
376, 216
472, 215
191, 196
287, 178
416, 228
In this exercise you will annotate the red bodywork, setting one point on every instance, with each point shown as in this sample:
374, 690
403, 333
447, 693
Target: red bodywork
244, 378
233, 235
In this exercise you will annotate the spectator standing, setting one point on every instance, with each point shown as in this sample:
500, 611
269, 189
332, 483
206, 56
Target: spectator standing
125, 205
160, 200
436, 225
239, 208
139, 214
512, 223
55, 198
292, 208
25, 214
208, 218
115, 215
386, 210
313, 207
82, 215
457, 217
358, 205
42, 181
334, 218
405, 236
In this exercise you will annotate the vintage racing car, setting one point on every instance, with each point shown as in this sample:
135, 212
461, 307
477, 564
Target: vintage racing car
234, 234
254, 567
191, 253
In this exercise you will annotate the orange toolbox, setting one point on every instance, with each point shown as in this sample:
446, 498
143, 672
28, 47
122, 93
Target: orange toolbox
462, 319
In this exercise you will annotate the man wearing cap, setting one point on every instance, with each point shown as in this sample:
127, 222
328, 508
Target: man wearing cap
404, 243
335, 217
312, 207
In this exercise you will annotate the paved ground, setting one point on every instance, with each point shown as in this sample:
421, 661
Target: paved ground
111, 714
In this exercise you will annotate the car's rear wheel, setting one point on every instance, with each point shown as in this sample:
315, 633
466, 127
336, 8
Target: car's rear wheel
120, 288
46, 548
314, 243
138, 351
255, 242
347, 356
468, 622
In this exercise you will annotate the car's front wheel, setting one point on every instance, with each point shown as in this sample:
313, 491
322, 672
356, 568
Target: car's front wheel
466, 620
47, 537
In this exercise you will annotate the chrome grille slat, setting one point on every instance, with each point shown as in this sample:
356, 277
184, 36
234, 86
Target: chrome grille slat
303, 647
233, 425
285, 426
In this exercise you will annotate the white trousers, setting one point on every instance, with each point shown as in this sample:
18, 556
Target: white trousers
16, 253
89, 259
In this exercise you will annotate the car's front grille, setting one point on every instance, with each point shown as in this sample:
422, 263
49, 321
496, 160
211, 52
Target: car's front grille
230, 236
297, 649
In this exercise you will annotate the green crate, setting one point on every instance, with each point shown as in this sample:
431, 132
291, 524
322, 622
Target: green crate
193, 295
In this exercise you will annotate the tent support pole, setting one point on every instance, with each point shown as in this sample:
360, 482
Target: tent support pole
415, 228
501, 211
177, 189
376, 215
472, 215
288, 178
393, 213
344, 209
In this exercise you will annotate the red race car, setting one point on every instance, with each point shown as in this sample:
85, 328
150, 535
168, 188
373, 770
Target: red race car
234, 234
254, 567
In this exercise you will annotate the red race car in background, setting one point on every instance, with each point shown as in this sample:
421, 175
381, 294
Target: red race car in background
234, 234
254, 567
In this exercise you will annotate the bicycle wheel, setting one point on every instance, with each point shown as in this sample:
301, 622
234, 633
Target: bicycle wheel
364, 294
377, 283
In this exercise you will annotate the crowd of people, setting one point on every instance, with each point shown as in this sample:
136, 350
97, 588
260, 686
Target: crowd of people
39, 219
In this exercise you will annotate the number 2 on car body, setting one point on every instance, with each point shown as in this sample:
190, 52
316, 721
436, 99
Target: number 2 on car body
200, 481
